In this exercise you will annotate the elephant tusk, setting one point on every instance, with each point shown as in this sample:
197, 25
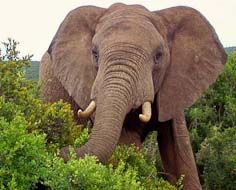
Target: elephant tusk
88, 111
146, 112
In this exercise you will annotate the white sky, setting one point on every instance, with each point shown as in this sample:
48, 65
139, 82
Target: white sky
33, 23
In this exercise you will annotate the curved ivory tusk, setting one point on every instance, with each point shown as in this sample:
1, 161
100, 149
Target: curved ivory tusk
147, 112
88, 111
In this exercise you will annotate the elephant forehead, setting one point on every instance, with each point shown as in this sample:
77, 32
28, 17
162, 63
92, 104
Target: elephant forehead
129, 28
130, 14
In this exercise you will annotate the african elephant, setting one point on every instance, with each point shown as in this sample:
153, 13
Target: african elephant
137, 70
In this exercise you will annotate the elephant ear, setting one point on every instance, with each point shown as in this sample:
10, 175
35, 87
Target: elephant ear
70, 52
196, 59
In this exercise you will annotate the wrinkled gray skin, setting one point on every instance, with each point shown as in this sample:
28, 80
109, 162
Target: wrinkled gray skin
123, 56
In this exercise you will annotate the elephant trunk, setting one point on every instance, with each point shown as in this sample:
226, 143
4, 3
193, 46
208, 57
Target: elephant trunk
120, 90
112, 107
107, 128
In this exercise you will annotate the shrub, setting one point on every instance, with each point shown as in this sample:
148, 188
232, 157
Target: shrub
25, 162
217, 157
88, 174
31, 133
19, 95
134, 159
22, 155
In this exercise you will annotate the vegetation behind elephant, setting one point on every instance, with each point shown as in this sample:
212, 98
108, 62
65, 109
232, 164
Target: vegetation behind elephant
125, 60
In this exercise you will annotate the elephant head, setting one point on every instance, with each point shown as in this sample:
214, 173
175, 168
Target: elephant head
125, 57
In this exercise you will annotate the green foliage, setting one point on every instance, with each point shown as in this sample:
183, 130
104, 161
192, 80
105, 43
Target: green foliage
218, 157
21, 154
88, 174
18, 96
31, 133
83, 138
25, 161
132, 158
135, 159
57, 122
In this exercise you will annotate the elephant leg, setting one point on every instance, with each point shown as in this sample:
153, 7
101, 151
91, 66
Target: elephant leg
184, 155
51, 88
176, 153
167, 150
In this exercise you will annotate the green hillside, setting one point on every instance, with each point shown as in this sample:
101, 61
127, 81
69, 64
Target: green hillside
230, 49
32, 72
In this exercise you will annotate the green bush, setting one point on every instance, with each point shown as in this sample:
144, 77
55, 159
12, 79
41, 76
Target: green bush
132, 158
31, 133
25, 162
22, 155
88, 174
218, 159
19, 95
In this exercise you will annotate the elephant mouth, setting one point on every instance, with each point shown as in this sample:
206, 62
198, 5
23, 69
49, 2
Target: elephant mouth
144, 117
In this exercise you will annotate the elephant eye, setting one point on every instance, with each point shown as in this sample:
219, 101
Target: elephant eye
157, 58
95, 54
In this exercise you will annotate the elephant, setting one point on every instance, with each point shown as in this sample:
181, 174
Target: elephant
133, 71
